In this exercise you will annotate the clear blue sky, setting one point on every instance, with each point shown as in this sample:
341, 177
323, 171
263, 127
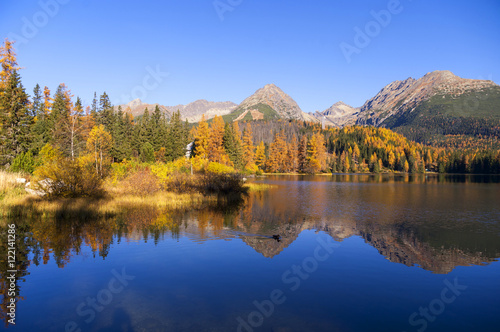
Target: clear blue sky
96, 45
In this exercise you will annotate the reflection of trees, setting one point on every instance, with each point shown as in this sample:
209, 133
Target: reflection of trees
23, 247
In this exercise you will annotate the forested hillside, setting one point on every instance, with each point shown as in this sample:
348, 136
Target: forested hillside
34, 128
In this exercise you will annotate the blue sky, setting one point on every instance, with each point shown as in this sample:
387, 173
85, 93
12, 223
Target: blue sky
227, 49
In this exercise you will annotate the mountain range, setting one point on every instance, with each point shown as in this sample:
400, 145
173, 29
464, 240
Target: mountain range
416, 106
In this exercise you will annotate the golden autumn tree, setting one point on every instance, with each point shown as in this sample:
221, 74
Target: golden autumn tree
8, 62
99, 144
292, 159
216, 151
406, 166
277, 153
391, 159
316, 153
47, 101
248, 149
260, 155
201, 139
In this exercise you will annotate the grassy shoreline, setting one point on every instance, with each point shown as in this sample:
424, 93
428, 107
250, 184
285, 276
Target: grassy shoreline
15, 202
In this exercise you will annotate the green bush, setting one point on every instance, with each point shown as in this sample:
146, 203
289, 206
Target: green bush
147, 153
23, 162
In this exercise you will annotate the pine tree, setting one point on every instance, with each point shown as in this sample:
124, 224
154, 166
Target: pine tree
40, 129
105, 115
122, 128
36, 107
15, 119
75, 129
177, 137
159, 127
60, 119
93, 109
147, 153
232, 144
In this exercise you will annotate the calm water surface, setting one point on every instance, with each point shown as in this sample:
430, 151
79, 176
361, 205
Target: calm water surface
357, 253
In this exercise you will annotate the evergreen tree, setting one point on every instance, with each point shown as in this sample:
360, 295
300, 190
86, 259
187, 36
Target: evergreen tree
177, 137
93, 109
60, 121
15, 119
147, 153
36, 107
121, 133
40, 131
232, 144
160, 130
105, 115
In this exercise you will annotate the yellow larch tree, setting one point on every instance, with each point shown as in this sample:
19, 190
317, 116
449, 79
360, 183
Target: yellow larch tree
260, 155
248, 148
201, 139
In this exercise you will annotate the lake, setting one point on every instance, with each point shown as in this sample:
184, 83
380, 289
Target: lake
349, 253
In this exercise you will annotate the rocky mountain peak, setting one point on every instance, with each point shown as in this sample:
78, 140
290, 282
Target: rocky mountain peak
275, 98
134, 103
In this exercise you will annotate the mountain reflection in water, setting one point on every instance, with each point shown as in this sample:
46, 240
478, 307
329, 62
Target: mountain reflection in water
431, 223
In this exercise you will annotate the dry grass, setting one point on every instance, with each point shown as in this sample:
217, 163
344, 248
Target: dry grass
8, 181
82, 208
138, 191
252, 186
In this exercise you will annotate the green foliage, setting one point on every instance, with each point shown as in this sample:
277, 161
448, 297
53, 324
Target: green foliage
268, 112
232, 145
147, 153
474, 114
24, 162
15, 120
